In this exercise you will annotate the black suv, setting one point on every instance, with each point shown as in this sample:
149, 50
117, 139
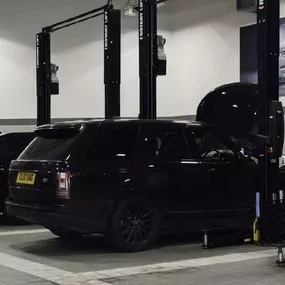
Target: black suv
11, 146
131, 180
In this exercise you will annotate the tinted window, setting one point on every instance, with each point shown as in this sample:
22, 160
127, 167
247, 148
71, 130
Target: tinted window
163, 142
114, 141
51, 146
206, 143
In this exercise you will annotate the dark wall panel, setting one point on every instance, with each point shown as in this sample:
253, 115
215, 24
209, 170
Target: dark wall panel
248, 55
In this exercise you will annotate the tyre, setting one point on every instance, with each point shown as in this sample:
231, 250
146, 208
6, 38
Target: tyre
66, 235
134, 225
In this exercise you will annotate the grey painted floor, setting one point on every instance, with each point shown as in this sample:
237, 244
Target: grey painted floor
258, 272
57, 259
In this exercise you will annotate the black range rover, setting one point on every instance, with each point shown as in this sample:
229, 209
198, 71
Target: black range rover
130, 180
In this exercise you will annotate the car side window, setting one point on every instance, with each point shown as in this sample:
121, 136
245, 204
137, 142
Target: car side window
207, 145
113, 142
166, 143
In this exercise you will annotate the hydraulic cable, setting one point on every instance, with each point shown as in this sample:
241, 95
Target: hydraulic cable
77, 22
71, 20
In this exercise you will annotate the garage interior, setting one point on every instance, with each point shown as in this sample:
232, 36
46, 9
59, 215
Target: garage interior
142, 59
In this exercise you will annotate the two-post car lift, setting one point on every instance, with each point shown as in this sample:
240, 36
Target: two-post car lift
272, 198
47, 83
270, 137
270, 115
271, 125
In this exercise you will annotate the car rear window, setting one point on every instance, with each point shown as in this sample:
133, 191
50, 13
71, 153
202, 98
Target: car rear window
52, 144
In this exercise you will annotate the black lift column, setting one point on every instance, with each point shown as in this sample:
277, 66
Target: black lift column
43, 78
148, 57
47, 81
268, 14
112, 62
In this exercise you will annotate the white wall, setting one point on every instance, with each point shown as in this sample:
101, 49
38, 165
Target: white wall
202, 48
77, 50
205, 34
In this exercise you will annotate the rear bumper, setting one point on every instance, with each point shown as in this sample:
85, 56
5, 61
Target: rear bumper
49, 217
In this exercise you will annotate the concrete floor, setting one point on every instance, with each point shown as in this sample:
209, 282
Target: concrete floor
31, 255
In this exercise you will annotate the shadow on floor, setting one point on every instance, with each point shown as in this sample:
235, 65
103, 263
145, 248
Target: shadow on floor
11, 221
96, 244
93, 245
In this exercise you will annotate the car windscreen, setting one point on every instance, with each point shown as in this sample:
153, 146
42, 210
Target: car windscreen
52, 144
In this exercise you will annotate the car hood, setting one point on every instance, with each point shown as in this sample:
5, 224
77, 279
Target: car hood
232, 111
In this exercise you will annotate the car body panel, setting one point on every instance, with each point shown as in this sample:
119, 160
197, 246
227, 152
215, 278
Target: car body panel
194, 192
11, 146
232, 111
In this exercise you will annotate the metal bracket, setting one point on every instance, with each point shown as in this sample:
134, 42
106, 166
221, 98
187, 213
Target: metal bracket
205, 244
280, 256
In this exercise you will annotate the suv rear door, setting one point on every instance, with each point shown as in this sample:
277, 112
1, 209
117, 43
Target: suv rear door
109, 164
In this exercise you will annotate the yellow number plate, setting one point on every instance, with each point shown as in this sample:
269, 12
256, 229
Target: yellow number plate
26, 178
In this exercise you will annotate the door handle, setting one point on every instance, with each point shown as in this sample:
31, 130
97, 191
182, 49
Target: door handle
212, 170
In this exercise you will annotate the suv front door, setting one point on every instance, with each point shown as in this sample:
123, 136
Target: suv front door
219, 170
168, 171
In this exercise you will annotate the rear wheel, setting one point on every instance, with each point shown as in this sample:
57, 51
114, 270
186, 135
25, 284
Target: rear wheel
134, 225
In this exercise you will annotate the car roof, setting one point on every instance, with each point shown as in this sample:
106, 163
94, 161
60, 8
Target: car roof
17, 134
78, 123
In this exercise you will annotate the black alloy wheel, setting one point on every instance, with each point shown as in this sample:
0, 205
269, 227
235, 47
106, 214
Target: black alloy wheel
134, 225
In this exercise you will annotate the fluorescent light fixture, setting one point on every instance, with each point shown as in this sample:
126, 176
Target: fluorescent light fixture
160, 3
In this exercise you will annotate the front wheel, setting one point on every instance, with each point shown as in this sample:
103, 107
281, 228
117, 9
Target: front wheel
134, 225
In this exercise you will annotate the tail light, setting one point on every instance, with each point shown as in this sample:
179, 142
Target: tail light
63, 186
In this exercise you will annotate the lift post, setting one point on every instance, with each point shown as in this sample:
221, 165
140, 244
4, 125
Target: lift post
43, 78
268, 14
148, 58
112, 64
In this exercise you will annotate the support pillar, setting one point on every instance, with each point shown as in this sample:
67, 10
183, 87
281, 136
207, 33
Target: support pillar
112, 62
268, 14
148, 58
43, 78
